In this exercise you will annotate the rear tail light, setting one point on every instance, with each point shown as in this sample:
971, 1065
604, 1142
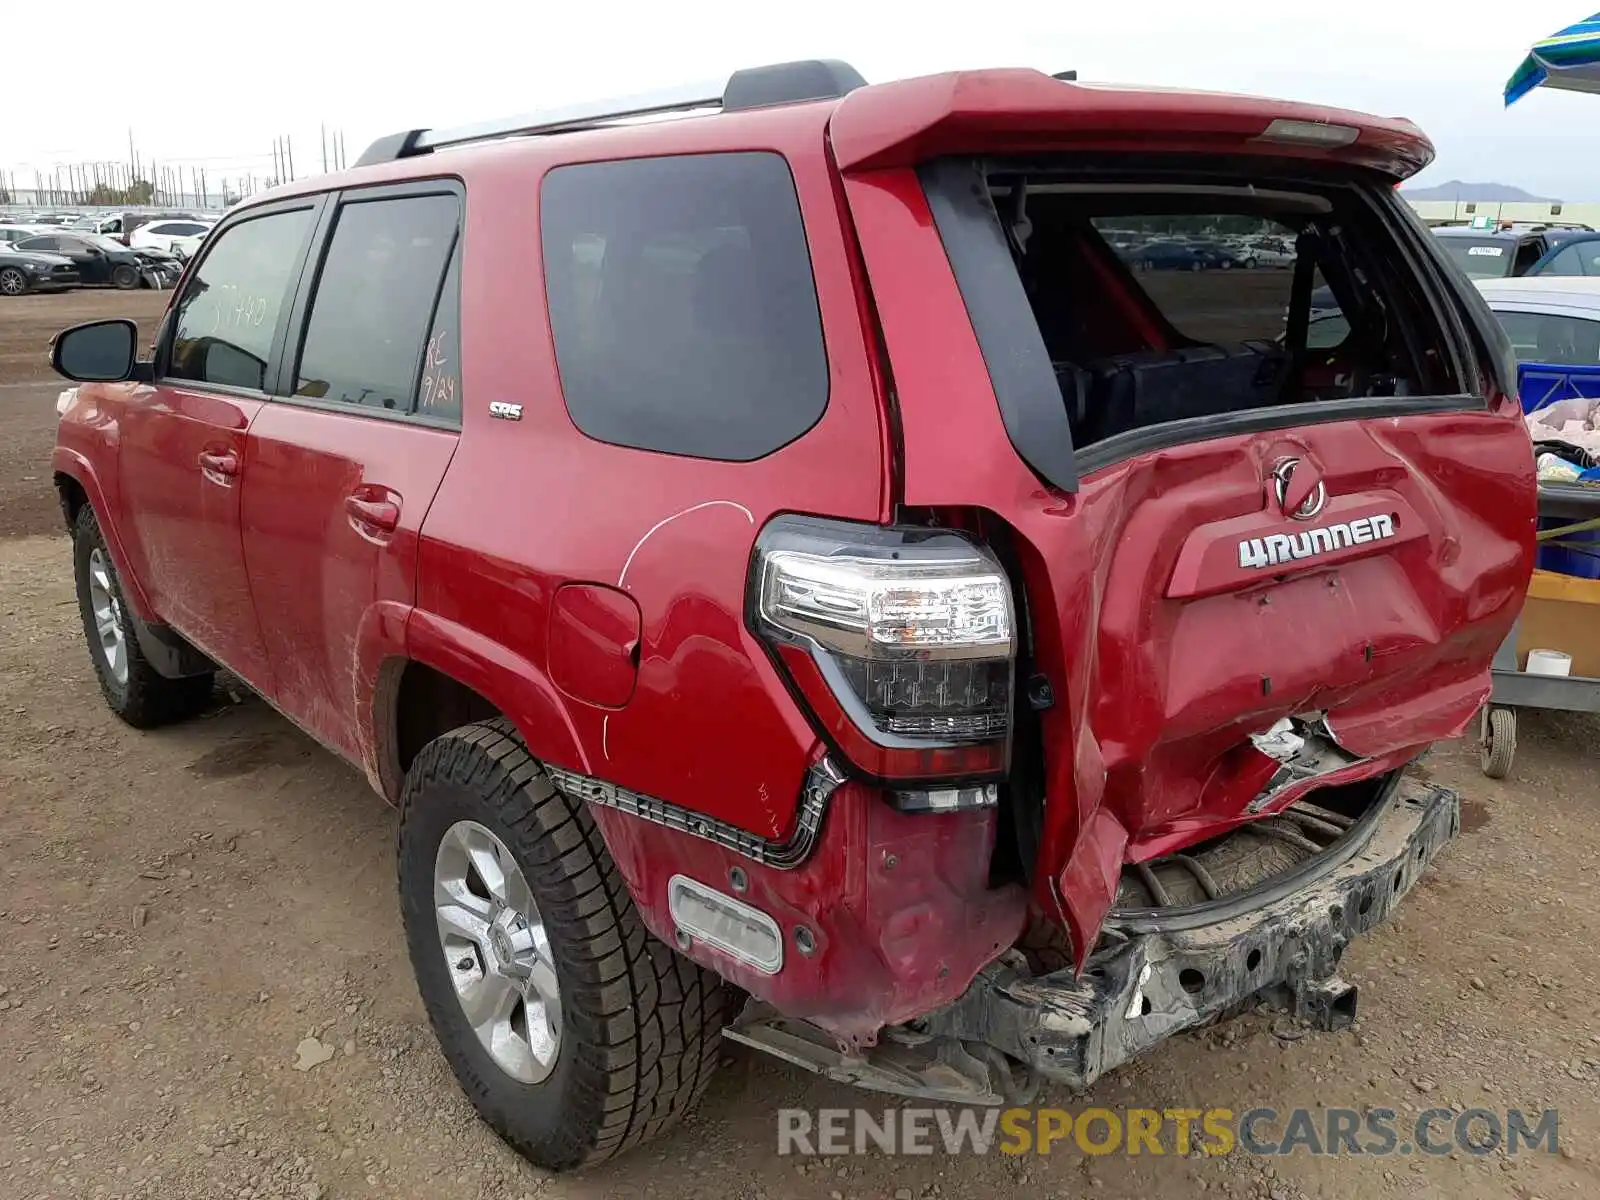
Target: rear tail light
901, 640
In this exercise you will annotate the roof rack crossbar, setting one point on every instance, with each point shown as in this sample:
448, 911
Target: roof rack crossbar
754, 87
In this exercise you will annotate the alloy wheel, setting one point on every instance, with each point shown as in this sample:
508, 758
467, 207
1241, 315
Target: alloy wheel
108, 622
497, 951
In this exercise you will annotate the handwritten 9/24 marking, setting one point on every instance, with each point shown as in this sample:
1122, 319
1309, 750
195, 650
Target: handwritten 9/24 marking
438, 385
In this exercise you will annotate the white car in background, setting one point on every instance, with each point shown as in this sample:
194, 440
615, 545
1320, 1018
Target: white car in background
19, 233
1551, 319
1265, 252
180, 237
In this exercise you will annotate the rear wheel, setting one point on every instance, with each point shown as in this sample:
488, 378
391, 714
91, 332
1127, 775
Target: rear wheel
125, 278
12, 282
574, 1033
134, 689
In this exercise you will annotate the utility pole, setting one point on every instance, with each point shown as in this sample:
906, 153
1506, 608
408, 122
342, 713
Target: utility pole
322, 132
288, 149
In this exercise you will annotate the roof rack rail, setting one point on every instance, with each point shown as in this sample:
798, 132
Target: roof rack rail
751, 87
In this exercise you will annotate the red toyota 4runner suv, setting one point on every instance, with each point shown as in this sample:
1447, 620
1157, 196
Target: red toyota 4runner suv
802, 583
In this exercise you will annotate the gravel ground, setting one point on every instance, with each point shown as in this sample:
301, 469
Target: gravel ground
204, 990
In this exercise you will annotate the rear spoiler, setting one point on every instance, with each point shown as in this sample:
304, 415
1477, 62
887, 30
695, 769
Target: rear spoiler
1018, 111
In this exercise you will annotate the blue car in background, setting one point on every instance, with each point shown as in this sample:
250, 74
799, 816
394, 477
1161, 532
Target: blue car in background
1578, 253
1182, 256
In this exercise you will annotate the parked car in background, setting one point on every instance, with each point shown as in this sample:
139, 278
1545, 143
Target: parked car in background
181, 238
23, 271
1493, 253
122, 225
1265, 252
1173, 256
104, 261
1217, 255
21, 233
1553, 322
1577, 254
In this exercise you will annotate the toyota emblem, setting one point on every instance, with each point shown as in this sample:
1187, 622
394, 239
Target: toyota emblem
1301, 498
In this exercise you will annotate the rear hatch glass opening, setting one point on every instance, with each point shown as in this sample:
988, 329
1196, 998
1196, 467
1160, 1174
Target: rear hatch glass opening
1179, 304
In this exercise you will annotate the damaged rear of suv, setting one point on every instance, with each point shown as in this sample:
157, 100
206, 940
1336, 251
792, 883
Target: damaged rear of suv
865, 605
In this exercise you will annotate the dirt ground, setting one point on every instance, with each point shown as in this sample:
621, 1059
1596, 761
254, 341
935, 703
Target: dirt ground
179, 909
27, 323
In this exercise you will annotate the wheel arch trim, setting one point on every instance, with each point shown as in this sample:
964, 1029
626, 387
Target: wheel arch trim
65, 461
517, 687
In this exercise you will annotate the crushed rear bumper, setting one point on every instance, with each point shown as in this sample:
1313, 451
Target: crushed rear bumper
1184, 967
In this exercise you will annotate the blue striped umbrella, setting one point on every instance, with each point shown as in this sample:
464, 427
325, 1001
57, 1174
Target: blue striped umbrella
1569, 60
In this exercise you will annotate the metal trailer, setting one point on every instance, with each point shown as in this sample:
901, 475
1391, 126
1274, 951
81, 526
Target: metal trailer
1578, 507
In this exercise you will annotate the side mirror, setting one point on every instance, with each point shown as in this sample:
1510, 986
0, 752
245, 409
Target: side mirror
99, 352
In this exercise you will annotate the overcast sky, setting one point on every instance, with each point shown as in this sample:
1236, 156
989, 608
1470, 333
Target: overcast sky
215, 84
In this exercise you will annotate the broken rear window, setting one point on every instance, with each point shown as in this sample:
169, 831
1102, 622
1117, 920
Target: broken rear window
1167, 296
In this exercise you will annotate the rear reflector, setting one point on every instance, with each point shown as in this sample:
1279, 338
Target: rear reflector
729, 925
1308, 133
953, 799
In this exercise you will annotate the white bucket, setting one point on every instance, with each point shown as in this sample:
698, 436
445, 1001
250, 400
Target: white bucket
1549, 662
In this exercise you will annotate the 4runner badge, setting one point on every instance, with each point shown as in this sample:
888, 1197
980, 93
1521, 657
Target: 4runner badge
1277, 548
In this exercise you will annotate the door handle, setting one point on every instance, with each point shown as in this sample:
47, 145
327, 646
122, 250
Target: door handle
219, 462
382, 515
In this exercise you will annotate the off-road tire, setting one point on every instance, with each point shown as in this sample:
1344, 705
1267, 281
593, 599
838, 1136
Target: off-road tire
641, 1024
148, 698
126, 278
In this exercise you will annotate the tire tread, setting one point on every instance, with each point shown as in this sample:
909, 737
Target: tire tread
149, 699
644, 1021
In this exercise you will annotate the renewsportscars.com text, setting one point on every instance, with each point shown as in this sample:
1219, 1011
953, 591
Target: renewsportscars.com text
1180, 1131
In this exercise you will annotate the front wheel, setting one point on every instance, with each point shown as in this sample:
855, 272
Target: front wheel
125, 278
575, 1034
12, 282
135, 690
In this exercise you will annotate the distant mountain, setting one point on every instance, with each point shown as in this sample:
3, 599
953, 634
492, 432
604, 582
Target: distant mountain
1478, 193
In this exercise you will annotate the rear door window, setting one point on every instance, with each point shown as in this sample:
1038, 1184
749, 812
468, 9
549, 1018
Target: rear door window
227, 317
374, 302
682, 303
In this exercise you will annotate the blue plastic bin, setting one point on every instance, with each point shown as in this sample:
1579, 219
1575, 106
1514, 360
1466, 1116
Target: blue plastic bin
1541, 384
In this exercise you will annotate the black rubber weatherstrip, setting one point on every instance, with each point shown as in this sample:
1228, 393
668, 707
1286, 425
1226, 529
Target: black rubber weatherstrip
1024, 379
